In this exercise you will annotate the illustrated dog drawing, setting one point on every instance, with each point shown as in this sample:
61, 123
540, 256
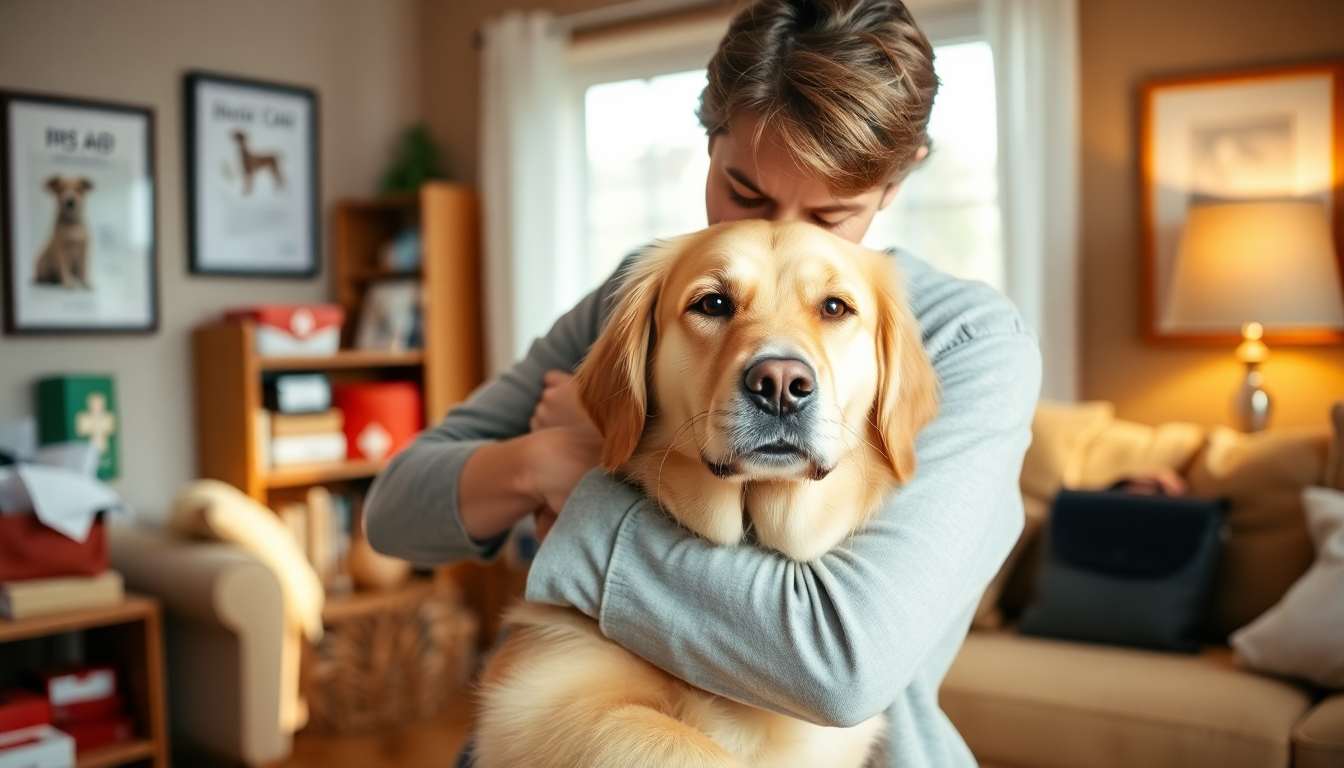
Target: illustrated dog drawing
254, 163
65, 259
754, 370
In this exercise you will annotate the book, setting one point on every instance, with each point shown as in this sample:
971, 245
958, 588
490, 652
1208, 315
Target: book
294, 424
39, 597
308, 449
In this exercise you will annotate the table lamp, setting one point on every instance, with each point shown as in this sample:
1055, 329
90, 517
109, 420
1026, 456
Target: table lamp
1262, 266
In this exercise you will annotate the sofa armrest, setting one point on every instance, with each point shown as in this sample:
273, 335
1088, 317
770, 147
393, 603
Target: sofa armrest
228, 678
1318, 738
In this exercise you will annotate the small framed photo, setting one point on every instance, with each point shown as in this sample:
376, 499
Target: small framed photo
77, 190
252, 177
1268, 135
390, 318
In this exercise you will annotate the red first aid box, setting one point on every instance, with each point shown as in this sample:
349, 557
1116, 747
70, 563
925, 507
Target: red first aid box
293, 329
31, 550
86, 711
20, 708
381, 417
83, 685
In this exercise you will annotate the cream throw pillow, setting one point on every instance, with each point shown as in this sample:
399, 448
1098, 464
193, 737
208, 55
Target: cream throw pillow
1303, 634
1060, 432
216, 510
1126, 448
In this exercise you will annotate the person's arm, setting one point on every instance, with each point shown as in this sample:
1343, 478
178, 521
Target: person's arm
455, 491
835, 640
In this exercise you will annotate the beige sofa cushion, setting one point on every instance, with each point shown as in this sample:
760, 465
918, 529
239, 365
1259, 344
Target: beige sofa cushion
1126, 448
1059, 432
1318, 740
1268, 547
1050, 704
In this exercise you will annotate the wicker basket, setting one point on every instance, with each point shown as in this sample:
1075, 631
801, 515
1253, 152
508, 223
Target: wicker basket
389, 658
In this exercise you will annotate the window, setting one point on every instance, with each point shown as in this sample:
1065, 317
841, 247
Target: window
645, 161
947, 211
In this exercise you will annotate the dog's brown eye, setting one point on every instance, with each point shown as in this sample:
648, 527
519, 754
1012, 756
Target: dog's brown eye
834, 307
713, 305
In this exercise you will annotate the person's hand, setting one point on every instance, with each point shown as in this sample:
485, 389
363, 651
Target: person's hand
557, 459
544, 519
1156, 482
559, 405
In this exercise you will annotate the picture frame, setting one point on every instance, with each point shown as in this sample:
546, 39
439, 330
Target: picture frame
1273, 133
78, 216
390, 317
252, 178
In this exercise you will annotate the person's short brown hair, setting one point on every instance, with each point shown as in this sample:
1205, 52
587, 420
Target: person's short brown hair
846, 85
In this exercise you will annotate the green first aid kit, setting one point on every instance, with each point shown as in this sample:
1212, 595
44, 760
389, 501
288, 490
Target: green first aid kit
81, 407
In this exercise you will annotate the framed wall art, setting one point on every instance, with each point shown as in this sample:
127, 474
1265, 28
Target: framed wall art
77, 190
252, 177
1270, 137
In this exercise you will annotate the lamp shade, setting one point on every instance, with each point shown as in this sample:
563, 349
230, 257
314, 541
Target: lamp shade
1271, 262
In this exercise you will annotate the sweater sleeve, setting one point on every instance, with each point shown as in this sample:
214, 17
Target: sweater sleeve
412, 508
835, 640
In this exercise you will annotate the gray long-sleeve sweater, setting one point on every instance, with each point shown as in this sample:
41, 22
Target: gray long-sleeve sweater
871, 626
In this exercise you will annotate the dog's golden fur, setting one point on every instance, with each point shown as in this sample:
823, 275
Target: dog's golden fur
665, 384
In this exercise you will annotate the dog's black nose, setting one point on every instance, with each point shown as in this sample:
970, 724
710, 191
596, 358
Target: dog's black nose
69, 203
779, 386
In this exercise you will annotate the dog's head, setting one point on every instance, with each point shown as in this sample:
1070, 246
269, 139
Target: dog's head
69, 192
765, 351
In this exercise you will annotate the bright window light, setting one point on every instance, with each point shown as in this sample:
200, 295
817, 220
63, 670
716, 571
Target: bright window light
647, 160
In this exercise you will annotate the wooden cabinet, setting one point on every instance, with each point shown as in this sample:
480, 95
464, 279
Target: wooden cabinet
228, 372
127, 636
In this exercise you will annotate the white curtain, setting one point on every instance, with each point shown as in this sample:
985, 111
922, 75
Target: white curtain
527, 184
1035, 46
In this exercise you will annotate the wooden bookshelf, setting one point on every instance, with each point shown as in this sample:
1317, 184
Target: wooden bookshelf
128, 636
228, 372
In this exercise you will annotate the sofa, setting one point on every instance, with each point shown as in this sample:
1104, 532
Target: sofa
232, 669
1033, 702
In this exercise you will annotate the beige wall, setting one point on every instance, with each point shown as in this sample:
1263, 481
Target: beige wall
1123, 43
362, 58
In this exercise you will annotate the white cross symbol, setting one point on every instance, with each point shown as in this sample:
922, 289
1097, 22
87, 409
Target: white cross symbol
374, 441
97, 423
302, 322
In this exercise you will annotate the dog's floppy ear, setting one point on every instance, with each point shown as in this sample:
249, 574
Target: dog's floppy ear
54, 185
907, 387
84, 184
613, 379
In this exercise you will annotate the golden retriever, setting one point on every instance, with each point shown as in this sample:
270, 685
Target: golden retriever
760, 381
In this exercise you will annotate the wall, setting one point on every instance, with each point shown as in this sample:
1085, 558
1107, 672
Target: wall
1122, 43
362, 58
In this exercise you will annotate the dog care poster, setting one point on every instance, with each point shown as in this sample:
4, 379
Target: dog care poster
253, 178
81, 212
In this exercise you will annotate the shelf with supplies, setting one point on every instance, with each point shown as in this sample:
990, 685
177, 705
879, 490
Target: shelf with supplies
127, 636
231, 377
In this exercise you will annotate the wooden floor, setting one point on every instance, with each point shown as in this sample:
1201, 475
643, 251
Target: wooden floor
426, 744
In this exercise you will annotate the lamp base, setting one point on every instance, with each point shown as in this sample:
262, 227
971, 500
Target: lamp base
1252, 402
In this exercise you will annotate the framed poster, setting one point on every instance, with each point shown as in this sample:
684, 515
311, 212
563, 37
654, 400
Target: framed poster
1274, 134
252, 178
78, 193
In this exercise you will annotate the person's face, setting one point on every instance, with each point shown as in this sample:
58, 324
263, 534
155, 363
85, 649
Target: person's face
766, 183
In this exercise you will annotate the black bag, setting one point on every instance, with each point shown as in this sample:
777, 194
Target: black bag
1126, 569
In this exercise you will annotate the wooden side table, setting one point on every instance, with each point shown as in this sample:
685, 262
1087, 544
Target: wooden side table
128, 636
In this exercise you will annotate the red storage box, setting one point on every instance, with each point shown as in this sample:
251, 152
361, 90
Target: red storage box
381, 417
293, 329
31, 550
81, 685
86, 711
20, 708
100, 733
